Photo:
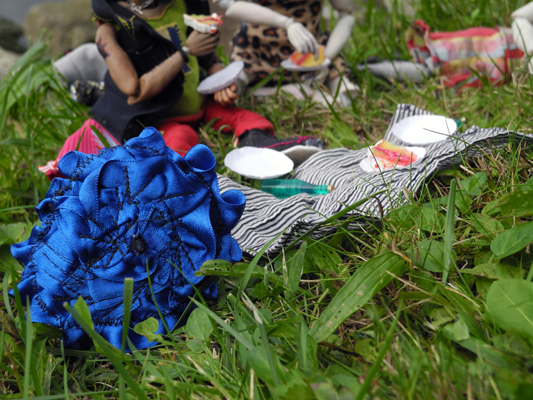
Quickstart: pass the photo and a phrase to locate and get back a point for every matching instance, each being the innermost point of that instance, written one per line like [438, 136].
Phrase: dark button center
[138, 244]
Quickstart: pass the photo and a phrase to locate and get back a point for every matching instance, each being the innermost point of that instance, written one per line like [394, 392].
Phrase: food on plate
[307, 60]
[203, 23]
[385, 155]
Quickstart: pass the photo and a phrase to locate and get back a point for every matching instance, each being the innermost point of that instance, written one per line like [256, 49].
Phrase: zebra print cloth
[266, 216]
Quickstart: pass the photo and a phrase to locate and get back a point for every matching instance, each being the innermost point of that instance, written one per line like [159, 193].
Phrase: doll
[154, 63]
[523, 31]
[272, 30]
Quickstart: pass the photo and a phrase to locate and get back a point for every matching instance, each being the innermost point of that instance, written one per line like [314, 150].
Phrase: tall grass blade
[109, 353]
[449, 229]
[379, 358]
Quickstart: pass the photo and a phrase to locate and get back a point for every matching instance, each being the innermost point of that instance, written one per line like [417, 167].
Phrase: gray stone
[67, 24]
[7, 59]
[10, 34]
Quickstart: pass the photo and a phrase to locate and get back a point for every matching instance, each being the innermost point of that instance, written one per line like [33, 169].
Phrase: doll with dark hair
[154, 65]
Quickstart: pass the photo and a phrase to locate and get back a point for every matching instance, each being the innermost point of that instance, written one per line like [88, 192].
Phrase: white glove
[302, 40]
[224, 3]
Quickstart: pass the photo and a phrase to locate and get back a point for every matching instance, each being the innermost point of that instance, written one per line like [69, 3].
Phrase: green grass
[433, 302]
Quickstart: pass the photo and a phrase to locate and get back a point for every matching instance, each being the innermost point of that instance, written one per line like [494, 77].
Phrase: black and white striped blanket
[266, 216]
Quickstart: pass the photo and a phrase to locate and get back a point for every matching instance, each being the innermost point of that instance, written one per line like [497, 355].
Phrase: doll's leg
[179, 137]
[523, 37]
[83, 140]
[84, 63]
[337, 80]
[239, 119]
[254, 130]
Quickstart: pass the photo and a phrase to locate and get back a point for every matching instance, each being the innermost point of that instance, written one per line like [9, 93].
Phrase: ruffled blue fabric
[117, 212]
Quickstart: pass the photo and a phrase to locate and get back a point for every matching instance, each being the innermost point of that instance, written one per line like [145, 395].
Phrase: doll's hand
[148, 87]
[302, 40]
[200, 44]
[227, 96]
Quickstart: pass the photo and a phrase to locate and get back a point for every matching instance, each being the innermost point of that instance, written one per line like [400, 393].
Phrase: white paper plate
[290, 66]
[222, 79]
[368, 163]
[424, 129]
[258, 163]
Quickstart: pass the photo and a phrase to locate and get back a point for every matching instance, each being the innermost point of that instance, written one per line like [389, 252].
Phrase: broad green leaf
[7, 261]
[238, 270]
[486, 226]
[510, 303]
[519, 203]
[403, 217]
[369, 279]
[295, 267]
[324, 256]
[483, 285]
[430, 220]
[82, 309]
[147, 328]
[196, 345]
[296, 387]
[325, 391]
[431, 255]
[482, 349]
[258, 360]
[473, 185]
[198, 325]
[367, 349]
[512, 240]
[460, 330]
[494, 270]
[14, 233]
[510, 341]
[440, 316]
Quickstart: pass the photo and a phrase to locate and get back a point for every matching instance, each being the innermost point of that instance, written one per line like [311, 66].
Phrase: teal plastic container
[283, 188]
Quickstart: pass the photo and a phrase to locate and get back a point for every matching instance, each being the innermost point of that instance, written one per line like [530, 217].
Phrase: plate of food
[384, 156]
[306, 62]
[424, 129]
[258, 163]
[203, 23]
[222, 79]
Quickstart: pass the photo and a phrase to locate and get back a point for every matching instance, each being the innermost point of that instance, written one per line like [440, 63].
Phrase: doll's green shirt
[190, 102]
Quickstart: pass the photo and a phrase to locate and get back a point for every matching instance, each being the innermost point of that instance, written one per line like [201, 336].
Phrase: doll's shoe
[298, 149]
[86, 92]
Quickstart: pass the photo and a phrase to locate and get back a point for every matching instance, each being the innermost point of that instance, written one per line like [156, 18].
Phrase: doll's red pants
[178, 133]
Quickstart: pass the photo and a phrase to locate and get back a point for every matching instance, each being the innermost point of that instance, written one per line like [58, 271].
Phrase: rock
[7, 59]
[10, 34]
[67, 24]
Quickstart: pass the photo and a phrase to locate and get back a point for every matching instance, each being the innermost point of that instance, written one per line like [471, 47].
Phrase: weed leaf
[431, 255]
[510, 303]
[198, 325]
[371, 277]
[512, 240]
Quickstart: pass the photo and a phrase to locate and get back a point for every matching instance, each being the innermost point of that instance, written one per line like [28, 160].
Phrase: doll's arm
[339, 37]
[524, 12]
[118, 63]
[299, 36]
[522, 28]
[346, 6]
[154, 81]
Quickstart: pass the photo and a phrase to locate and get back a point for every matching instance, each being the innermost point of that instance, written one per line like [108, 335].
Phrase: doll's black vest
[146, 49]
